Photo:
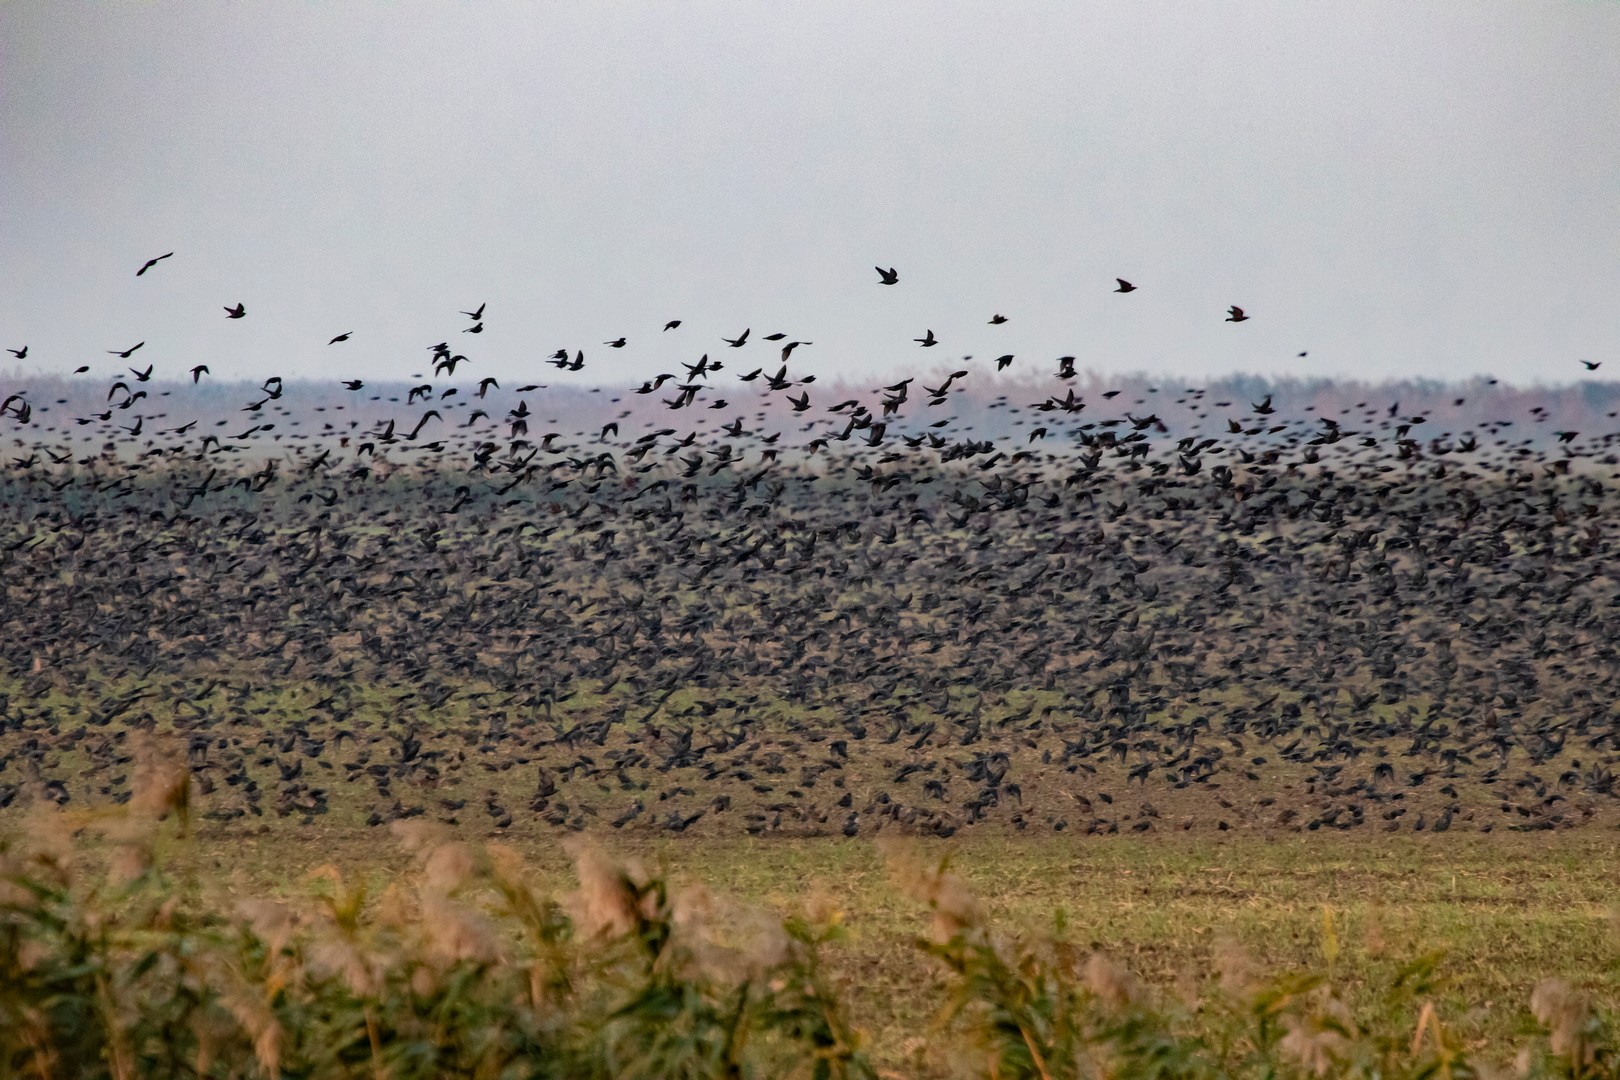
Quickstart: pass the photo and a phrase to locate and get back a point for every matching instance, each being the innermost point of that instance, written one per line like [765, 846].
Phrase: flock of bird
[794, 619]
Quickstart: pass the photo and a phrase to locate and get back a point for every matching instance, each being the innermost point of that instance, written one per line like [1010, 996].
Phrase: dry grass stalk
[607, 904]
[1566, 1014]
[955, 910]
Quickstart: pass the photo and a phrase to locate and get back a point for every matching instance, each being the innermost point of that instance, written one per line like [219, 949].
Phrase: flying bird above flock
[152, 262]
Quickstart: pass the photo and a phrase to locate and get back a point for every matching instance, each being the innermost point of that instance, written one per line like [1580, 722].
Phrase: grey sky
[1400, 188]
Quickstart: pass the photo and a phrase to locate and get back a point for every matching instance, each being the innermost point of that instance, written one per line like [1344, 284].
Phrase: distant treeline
[985, 406]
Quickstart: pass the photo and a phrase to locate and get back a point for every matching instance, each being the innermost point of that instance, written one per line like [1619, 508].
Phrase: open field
[1422, 952]
[1331, 699]
[1506, 910]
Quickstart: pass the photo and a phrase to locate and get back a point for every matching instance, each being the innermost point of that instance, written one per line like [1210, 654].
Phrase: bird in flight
[1590, 365]
[198, 372]
[925, 342]
[235, 312]
[889, 276]
[340, 337]
[672, 324]
[21, 354]
[1235, 314]
[475, 316]
[1124, 286]
[352, 384]
[737, 342]
[125, 354]
[616, 343]
[997, 320]
[151, 263]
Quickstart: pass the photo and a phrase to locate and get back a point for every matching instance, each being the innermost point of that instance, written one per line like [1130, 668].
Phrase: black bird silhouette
[198, 372]
[1590, 365]
[736, 342]
[672, 324]
[126, 353]
[478, 315]
[997, 320]
[235, 312]
[340, 337]
[889, 277]
[1124, 286]
[142, 376]
[21, 354]
[928, 340]
[431, 414]
[151, 263]
[616, 343]
[352, 384]
[475, 328]
[1235, 314]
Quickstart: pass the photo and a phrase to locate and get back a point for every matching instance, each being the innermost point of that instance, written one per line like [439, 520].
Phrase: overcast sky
[1397, 188]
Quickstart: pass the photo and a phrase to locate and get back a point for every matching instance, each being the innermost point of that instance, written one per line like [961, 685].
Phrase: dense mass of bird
[732, 607]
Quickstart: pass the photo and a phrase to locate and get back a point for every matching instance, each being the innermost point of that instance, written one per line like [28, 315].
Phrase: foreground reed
[111, 967]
